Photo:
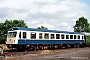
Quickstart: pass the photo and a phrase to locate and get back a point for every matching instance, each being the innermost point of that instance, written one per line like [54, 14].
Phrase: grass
[5, 48]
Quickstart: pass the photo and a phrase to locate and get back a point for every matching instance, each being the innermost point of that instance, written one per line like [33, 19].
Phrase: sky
[53, 14]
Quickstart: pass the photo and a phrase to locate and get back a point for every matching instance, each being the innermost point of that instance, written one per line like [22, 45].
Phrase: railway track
[64, 53]
[17, 53]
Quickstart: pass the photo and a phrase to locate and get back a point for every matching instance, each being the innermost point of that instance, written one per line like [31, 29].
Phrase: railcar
[22, 38]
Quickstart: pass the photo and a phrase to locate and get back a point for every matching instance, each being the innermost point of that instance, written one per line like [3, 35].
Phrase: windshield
[12, 34]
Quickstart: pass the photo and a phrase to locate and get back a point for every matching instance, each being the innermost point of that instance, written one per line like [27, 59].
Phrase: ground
[61, 54]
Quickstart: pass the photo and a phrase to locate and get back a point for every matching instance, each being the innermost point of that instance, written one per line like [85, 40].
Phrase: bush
[5, 48]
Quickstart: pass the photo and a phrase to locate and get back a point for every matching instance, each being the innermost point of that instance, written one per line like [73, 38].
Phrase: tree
[88, 29]
[4, 27]
[82, 25]
[2, 31]
[14, 23]
[43, 28]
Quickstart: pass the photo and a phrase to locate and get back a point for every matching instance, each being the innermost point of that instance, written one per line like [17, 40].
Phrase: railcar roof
[35, 29]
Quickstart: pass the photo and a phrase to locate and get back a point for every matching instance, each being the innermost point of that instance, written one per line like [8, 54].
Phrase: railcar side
[24, 38]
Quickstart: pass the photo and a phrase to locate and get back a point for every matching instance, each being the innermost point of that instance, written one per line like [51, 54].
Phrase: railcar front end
[11, 41]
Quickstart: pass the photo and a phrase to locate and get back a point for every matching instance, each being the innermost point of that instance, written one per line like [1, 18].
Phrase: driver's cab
[12, 37]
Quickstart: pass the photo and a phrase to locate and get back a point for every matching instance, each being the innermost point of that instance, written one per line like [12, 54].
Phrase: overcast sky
[53, 14]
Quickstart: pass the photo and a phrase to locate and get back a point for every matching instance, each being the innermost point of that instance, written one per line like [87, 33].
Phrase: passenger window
[24, 34]
[82, 37]
[71, 36]
[57, 36]
[74, 36]
[46, 36]
[62, 36]
[33, 35]
[67, 36]
[78, 37]
[20, 35]
[51, 36]
[40, 35]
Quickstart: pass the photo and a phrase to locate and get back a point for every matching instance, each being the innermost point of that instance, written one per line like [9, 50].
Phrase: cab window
[12, 34]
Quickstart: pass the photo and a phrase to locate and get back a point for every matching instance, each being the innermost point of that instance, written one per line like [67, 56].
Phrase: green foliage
[43, 28]
[82, 25]
[88, 39]
[14, 23]
[8, 24]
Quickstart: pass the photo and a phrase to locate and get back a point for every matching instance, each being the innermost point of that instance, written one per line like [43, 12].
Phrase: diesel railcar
[22, 38]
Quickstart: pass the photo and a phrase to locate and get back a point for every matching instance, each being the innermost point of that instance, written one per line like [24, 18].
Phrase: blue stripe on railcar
[24, 42]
